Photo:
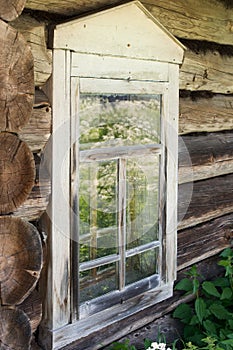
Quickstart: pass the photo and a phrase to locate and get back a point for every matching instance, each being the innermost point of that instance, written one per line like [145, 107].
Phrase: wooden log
[38, 200]
[214, 236]
[207, 71]
[16, 79]
[200, 71]
[32, 307]
[202, 20]
[210, 199]
[205, 156]
[206, 114]
[17, 172]
[38, 130]
[167, 326]
[11, 9]
[15, 330]
[96, 340]
[20, 258]
[69, 8]
[35, 34]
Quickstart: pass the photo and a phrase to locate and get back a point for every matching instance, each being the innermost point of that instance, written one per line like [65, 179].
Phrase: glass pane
[119, 120]
[142, 212]
[97, 210]
[98, 281]
[141, 265]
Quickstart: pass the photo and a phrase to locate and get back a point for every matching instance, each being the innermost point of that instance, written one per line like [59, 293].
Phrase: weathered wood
[17, 172]
[210, 199]
[207, 71]
[38, 199]
[200, 71]
[167, 326]
[11, 9]
[32, 307]
[206, 114]
[38, 129]
[203, 20]
[96, 340]
[71, 8]
[205, 156]
[15, 330]
[16, 79]
[214, 236]
[21, 259]
[35, 34]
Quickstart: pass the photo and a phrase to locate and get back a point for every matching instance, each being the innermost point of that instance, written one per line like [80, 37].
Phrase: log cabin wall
[205, 127]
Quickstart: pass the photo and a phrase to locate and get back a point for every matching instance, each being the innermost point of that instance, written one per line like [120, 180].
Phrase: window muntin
[119, 195]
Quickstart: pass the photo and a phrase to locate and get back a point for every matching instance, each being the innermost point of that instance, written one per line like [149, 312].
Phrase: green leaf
[209, 327]
[196, 285]
[226, 294]
[210, 288]
[147, 343]
[200, 308]
[184, 284]
[230, 322]
[194, 320]
[227, 253]
[221, 282]
[183, 312]
[219, 311]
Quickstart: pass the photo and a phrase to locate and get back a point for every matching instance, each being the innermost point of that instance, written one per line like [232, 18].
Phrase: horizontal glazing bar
[99, 154]
[143, 248]
[98, 262]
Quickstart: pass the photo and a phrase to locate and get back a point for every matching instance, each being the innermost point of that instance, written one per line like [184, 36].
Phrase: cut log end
[20, 259]
[17, 172]
[15, 330]
[11, 9]
[16, 79]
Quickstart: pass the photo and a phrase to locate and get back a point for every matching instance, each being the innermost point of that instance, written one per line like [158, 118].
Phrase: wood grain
[214, 236]
[21, 259]
[206, 114]
[17, 172]
[35, 34]
[203, 20]
[210, 199]
[15, 330]
[32, 307]
[207, 71]
[204, 156]
[16, 79]
[11, 9]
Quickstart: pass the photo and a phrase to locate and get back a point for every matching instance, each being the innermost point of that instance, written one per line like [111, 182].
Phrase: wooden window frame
[60, 315]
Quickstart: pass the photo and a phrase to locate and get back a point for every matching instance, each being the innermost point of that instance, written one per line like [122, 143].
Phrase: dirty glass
[117, 120]
[142, 212]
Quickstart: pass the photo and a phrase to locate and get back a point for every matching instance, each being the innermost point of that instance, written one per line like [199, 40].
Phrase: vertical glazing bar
[93, 213]
[122, 219]
[74, 201]
[162, 188]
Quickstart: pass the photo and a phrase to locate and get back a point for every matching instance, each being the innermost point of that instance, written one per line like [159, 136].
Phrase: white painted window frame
[60, 326]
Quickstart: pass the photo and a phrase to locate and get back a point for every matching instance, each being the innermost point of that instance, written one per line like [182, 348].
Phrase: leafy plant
[209, 320]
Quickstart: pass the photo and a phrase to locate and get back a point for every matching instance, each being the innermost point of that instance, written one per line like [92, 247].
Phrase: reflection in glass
[117, 120]
[141, 265]
[142, 210]
[97, 213]
[98, 281]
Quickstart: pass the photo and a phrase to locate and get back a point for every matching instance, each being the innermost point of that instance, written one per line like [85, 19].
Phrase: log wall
[206, 125]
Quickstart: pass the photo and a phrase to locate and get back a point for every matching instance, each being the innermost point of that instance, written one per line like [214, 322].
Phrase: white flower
[158, 346]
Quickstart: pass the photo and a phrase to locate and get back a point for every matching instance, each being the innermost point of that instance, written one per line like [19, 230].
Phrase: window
[121, 189]
[112, 240]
